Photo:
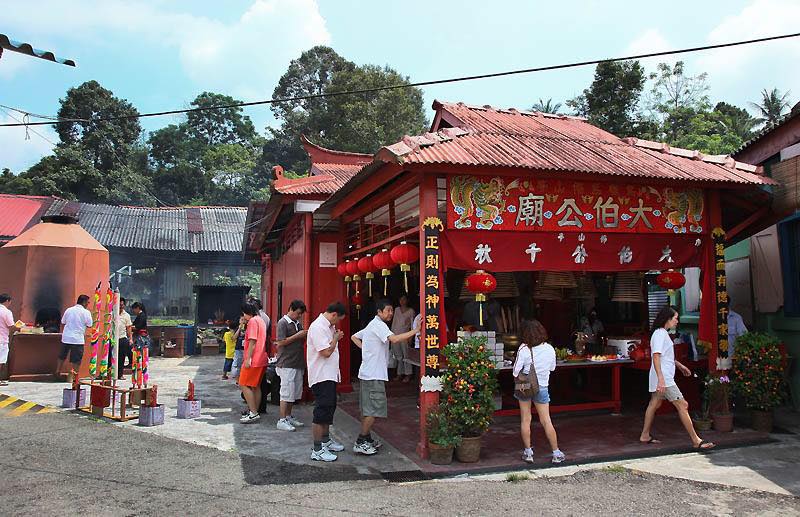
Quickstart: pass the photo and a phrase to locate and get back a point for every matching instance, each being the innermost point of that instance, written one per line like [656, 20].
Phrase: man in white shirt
[322, 358]
[375, 341]
[76, 320]
[7, 328]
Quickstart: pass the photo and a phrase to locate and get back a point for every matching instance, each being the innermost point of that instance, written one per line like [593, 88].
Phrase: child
[238, 352]
[230, 346]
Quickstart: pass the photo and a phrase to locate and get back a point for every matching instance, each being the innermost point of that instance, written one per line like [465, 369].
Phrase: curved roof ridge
[319, 154]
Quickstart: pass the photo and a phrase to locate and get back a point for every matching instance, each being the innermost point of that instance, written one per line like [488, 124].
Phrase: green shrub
[441, 431]
[758, 371]
[469, 384]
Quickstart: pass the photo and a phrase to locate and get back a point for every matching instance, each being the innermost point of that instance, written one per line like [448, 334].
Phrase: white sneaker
[250, 418]
[558, 457]
[323, 455]
[284, 425]
[295, 422]
[333, 446]
[527, 456]
[364, 448]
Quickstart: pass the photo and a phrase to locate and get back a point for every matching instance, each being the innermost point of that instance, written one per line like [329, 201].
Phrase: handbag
[527, 385]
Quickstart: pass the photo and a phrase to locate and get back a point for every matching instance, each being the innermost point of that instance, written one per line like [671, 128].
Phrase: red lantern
[384, 262]
[366, 266]
[671, 280]
[354, 272]
[357, 300]
[405, 254]
[342, 269]
[480, 282]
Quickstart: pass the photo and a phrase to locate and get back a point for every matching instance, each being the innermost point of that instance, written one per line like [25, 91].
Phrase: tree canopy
[612, 100]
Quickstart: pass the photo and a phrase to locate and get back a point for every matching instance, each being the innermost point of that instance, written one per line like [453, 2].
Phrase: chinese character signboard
[721, 287]
[502, 203]
[431, 301]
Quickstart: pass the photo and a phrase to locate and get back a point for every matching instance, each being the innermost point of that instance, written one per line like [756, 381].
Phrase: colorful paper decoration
[145, 364]
[405, 254]
[109, 317]
[95, 333]
[384, 262]
[366, 266]
[481, 283]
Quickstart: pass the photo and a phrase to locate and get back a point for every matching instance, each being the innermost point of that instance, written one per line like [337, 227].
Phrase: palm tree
[547, 107]
[772, 106]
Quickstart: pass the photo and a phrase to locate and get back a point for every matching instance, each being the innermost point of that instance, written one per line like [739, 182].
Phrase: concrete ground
[269, 456]
[218, 425]
[68, 464]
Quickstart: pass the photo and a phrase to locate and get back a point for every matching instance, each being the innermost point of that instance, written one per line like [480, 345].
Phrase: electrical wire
[5, 110]
[422, 83]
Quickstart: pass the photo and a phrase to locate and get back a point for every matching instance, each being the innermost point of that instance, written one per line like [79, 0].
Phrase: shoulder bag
[526, 385]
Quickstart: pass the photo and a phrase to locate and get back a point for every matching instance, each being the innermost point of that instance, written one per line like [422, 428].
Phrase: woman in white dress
[402, 321]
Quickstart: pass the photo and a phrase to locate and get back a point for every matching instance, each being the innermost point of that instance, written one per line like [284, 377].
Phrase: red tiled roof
[330, 170]
[19, 213]
[511, 138]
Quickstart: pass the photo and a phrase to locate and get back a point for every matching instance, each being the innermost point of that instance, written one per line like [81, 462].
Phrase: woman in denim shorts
[536, 350]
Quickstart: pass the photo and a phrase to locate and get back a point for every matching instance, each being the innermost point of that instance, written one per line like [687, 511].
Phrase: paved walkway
[770, 468]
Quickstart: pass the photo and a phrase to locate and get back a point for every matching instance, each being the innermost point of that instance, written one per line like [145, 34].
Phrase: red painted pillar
[707, 328]
[427, 399]
[308, 226]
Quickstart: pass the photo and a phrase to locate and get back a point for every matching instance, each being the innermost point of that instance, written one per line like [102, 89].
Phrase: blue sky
[160, 54]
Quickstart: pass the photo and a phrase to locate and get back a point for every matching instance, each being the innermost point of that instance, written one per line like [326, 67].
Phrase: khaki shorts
[671, 394]
[291, 384]
[373, 399]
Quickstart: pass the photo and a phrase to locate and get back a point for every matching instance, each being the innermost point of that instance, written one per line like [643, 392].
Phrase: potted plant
[718, 390]
[703, 420]
[442, 437]
[758, 376]
[468, 393]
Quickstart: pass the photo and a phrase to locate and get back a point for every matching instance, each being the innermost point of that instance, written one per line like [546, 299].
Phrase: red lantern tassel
[480, 298]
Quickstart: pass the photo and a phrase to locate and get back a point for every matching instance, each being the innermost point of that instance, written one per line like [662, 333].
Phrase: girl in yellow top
[230, 346]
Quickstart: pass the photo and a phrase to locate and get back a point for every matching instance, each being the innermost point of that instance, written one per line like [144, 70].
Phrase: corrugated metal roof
[160, 229]
[17, 213]
[531, 140]
[28, 49]
[769, 128]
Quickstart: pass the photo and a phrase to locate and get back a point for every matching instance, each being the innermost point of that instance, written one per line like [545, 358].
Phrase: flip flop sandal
[651, 441]
[699, 447]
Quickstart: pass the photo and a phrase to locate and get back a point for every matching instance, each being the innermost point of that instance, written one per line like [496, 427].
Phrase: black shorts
[75, 353]
[324, 402]
[228, 366]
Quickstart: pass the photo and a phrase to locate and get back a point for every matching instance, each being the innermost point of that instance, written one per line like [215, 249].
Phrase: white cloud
[21, 149]
[651, 40]
[242, 57]
[773, 62]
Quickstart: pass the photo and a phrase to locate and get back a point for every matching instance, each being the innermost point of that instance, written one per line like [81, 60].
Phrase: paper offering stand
[107, 398]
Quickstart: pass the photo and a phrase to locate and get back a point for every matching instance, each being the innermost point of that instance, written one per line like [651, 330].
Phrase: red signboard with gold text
[527, 204]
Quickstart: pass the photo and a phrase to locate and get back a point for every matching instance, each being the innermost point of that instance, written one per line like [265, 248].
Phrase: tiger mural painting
[685, 210]
[471, 196]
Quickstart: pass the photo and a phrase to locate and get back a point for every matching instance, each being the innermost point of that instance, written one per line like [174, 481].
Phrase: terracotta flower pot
[470, 450]
[441, 455]
[761, 420]
[702, 424]
[723, 423]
